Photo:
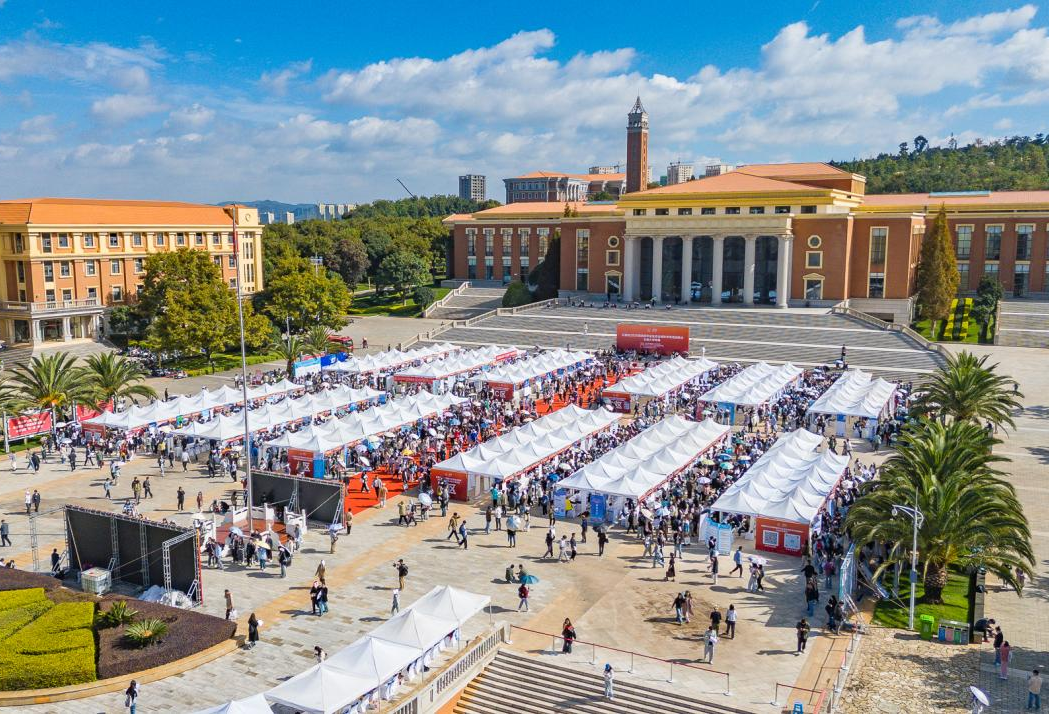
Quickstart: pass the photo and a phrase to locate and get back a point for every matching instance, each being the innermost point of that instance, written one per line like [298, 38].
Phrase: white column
[67, 329]
[657, 268]
[782, 272]
[37, 331]
[718, 259]
[749, 244]
[629, 268]
[686, 269]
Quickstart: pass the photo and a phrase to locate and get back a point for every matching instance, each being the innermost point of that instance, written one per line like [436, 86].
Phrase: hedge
[19, 598]
[43, 644]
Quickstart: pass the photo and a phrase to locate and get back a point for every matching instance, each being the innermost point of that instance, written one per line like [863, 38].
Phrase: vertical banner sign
[559, 502]
[660, 339]
[598, 507]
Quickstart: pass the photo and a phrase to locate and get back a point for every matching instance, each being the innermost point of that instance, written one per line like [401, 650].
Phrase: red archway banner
[660, 339]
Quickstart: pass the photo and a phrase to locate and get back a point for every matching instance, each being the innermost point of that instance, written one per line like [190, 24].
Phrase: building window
[136, 240]
[963, 241]
[114, 267]
[159, 239]
[216, 239]
[582, 279]
[611, 257]
[65, 269]
[879, 238]
[489, 270]
[757, 210]
[808, 209]
[471, 268]
[67, 295]
[114, 240]
[991, 270]
[684, 211]
[963, 277]
[993, 251]
[45, 242]
[118, 294]
[138, 266]
[489, 242]
[231, 261]
[19, 243]
[1024, 236]
[1021, 279]
[640, 211]
[815, 241]
[813, 288]
[89, 240]
[662, 211]
[89, 267]
[49, 296]
[732, 211]
[180, 239]
[471, 242]
[543, 245]
[504, 244]
[20, 271]
[63, 240]
[876, 285]
[198, 239]
[92, 294]
[524, 238]
[782, 209]
[49, 270]
[707, 211]
[814, 259]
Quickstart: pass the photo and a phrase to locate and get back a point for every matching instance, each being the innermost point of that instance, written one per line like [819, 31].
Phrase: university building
[66, 261]
[764, 234]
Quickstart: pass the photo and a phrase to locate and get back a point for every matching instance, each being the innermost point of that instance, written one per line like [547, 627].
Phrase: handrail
[791, 688]
[890, 326]
[726, 675]
[451, 293]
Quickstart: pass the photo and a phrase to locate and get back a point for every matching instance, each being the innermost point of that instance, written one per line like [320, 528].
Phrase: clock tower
[637, 148]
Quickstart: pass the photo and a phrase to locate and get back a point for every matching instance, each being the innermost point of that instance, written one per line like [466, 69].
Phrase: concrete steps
[515, 684]
[1024, 323]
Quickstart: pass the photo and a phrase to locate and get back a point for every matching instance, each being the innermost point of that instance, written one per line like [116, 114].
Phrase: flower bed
[190, 632]
[45, 644]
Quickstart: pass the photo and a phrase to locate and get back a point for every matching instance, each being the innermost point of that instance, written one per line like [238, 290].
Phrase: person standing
[284, 560]
[395, 606]
[56, 559]
[730, 622]
[602, 540]
[715, 619]
[253, 630]
[802, 629]
[1034, 690]
[28, 501]
[549, 540]
[180, 497]
[322, 598]
[569, 636]
[679, 608]
[36, 501]
[609, 679]
[714, 568]
[710, 639]
[999, 638]
[522, 597]
[5, 531]
[229, 604]
[402, 573]
[315, 590]
[200, 501]
[185, 459]
[1006, 654]
[131, 696]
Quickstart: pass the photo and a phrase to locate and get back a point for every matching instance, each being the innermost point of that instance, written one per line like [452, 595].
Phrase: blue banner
[559, 502]
[598, 506]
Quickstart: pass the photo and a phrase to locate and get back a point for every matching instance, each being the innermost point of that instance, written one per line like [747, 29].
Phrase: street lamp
[919, 518]
[231, 211]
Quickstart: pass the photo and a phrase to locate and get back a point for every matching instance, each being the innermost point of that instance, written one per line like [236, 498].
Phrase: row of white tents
[642, 464]
[162, 412]
[368, 669]
[663, 378]
[456, 364]
[538, 366]
[790, 482]
[358, 426]
[228, 427]
[523, 447]
[391, 359]
[755, 385]
[856, 394]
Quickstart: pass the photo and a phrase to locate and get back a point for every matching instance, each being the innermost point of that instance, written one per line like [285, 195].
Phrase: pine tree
[937, 272]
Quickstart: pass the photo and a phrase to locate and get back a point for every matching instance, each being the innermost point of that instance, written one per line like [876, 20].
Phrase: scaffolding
[34, 537]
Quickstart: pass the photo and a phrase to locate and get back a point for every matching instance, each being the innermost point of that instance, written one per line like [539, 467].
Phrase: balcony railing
[49, 305]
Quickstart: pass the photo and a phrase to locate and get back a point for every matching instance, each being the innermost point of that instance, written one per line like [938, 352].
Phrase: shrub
[146, 632]
[516, 294]
[118, 614]
[18, 598]
[423, 296]
[55, 649]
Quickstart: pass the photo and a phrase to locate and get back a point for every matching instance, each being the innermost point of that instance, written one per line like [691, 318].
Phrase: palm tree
[972, 515]
[50, 382]
[112, 377]
[317, 341]
[289, 350]
[967, 389]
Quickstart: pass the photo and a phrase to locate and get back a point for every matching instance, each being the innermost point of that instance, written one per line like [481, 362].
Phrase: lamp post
[231, 211]
[919, 518]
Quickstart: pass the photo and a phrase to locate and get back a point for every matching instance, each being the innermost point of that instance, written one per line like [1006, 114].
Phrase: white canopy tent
[855, 394]
[755, 385]
[322, 689]
[391, 359]
[538, 366]
[790, 482]
[456, 364]
[252, 705]
[662, 378]
[451, 602]
[415, 629]
[641, 465]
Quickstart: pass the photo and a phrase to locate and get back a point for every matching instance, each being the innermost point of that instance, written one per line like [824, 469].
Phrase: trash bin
[926, 626]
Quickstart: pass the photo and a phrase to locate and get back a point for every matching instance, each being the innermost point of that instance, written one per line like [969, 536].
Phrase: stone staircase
[22, 354]
[472, 302]
[515, 684]
[1024, 323]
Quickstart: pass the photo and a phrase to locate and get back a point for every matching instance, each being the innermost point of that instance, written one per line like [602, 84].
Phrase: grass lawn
[973, 338]
[198, 365]
[892, 613]
[392, 305]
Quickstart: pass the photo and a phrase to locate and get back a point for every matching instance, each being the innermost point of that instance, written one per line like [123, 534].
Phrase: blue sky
[333, 101]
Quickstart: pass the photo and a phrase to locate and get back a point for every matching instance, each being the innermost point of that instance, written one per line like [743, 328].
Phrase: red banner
[501, 390]
[780, 536]
[458, 483]
[85, 412]
[619, 402]
[301, 462]
[660, 339]
[28, 425]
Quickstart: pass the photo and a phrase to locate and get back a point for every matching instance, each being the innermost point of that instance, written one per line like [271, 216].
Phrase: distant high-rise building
[473, 187]
[597, 170]
[266, 218]
[718, 169]
[663, 180]
[679, 172]
[637, 169]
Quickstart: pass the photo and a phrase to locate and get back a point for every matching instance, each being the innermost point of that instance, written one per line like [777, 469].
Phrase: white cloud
[121, 108]
[195, 116]
[35, 130]
[97, 63]
[989, 24]
[277, 82]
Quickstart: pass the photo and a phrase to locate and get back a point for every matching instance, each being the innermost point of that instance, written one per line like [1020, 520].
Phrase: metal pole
[7, 444]
[914, 562]
[244, 376]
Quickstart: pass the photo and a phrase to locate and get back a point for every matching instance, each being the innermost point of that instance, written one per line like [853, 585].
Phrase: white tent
[322, 689]
[415, 629]
[252, 705]
[540, 365]
[457, 363]
[663, 378]
[637, 467]
[855, 394]
[376, 660]
[790, 482]
[447, 601]
[391, 359]
[755, 385]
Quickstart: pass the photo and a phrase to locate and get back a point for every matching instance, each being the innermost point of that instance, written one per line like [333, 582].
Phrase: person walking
[28, 501]
[569, 636]
[522, 597]
[1006, 653]
[322, 598]
[395, 606]
[602, 540]
[812, 597]
[315, 590]
[730, 622]
[1034, 691]
[802, 629]
[609, 680]
[679, 608]
[453, 527]
[671, 573]
[36, 501]
[200, 501]
[253, 630]
[737, 558]
[5, 531]
[131, 696]
[184, 459]
[562, 549]
[147, 489]
[402, 573]
[549, 542]
[714, 568]
[284, 560]
[321, 570]
[463, 535]
[715, 620]
[710, 639]
[229, 605]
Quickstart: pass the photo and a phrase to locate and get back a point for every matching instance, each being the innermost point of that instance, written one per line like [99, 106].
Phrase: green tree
[517, 293]
[316, 340]
[423, 296]
[985, 307]
[110, 377]
[967, 389]
[403, 271]
[378, 243]
[937, 272]
[182, 270]
[305, 295]
[288, 349]
[972, 517]
[50, 382]
[546, 276]
[349, 258]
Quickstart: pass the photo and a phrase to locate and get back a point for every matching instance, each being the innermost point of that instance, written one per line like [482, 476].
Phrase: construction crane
[406, 189]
